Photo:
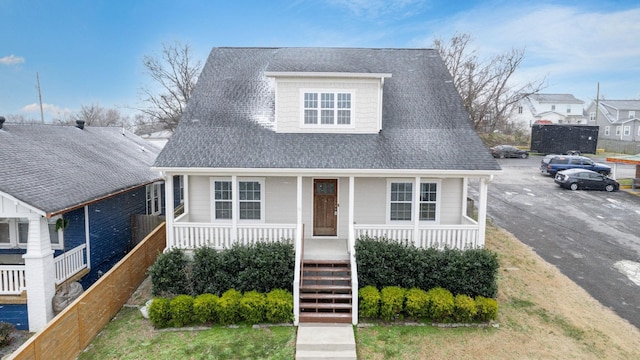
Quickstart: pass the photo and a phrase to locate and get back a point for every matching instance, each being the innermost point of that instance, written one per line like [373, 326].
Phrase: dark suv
[551, 164]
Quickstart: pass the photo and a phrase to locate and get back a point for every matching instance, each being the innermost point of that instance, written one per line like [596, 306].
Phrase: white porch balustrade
[436, 236]
[194, 235]
[12, 279]
[70, 263]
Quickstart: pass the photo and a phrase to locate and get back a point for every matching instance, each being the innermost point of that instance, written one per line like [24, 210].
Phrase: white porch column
[299, 248]
[235, 208]
[482, 211]
[39, 274]
[416, 211]
[169, 209]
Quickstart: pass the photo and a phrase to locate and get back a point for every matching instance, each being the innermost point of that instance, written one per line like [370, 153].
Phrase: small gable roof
[229, 121]
[56, 168]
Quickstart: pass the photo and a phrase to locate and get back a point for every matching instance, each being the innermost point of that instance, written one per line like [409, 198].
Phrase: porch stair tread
[325, 261]
[326, 269]
[324, 296]
[325, 287]
[325, 317]
[328, 277]
[313, 305]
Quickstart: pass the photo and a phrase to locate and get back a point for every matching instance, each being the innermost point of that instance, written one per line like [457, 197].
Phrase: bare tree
[176, 73]
[485, 86]
[95, 115]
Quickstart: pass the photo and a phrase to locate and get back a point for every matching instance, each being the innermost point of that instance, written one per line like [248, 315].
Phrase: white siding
[451, 201]
[280, 200]
[370, 201]
[365, 105]
[199, 199]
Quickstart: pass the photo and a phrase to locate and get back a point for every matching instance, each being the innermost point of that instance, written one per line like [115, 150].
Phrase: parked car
[551, 164]
[508, 151]
[581, 179]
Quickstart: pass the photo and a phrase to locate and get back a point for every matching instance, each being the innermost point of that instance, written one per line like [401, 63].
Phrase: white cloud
[49, 109]
[11, 60]
[574, 46]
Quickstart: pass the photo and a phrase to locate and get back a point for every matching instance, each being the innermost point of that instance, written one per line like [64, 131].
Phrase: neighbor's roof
[621, 104]
[56, 168]
[229, 120]
[556, 98]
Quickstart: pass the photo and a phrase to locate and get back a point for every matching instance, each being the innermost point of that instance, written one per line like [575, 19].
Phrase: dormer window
[327, 108]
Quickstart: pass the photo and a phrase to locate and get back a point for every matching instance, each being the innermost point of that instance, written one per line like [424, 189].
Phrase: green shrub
[160, 312]
[181, 310]
[207, 277]
[204, 308]
[253, 307]
[391, 302]
[465, 308]
[416, 303]
[228, 308]
[369, 302]
[384, 262]
[441, 304]
[487, 309]
[279, 306]
[169, 274]
[6, 329]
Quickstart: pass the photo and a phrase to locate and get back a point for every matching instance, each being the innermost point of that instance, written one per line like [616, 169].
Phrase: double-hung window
[402, 200]
[246, 195]
[154, 200]
[627, 130]
[14, 233]
[327, 108]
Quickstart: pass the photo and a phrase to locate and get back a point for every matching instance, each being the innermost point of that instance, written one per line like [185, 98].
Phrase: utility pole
[40, 98]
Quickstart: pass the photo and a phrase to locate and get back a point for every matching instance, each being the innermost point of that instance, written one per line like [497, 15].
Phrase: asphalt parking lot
[593, 237]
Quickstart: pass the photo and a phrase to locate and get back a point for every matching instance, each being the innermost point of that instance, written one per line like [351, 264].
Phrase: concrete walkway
[325, 341]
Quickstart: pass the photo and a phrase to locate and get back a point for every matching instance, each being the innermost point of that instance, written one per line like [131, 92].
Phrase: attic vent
[1, 121]
[80, 124]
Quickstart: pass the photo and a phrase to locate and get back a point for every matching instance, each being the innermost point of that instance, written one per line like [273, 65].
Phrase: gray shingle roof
[556, 98]
[54, 168]
[229, 120]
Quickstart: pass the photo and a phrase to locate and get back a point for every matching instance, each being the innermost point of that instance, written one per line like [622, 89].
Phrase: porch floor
[325, 249]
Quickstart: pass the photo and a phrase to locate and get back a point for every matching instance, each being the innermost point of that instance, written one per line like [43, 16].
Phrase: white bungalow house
[320, 146]
[67, 195]
[548, 109]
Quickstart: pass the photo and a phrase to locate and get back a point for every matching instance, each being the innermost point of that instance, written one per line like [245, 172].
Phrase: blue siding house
[67, 198]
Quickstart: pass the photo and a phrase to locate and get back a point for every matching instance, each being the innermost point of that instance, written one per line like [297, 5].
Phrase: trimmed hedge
[369, 302]
[232, 307]
[258, 267]
[169, 274]
[383, 262]
[436, 305]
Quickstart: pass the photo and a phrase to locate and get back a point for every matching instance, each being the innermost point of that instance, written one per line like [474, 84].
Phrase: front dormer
[328, 102]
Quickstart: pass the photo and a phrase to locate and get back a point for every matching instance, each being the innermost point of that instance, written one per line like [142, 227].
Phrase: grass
[542, 315]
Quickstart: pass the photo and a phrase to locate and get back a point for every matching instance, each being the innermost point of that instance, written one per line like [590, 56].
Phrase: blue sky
[90, 52]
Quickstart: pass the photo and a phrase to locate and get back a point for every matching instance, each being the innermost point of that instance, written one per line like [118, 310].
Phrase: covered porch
[324, 214]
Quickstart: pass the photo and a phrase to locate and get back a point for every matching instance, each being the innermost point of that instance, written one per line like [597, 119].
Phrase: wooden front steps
[325, 291]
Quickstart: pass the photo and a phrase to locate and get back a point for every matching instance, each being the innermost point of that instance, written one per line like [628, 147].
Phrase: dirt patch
[142, 293]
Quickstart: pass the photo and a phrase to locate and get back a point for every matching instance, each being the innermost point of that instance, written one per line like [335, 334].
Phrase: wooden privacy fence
[71, 331]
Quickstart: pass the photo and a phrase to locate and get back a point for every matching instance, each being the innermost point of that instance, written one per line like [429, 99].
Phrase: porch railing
[437, 236]
[193, 235]
[70, 263]
[12, 279]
